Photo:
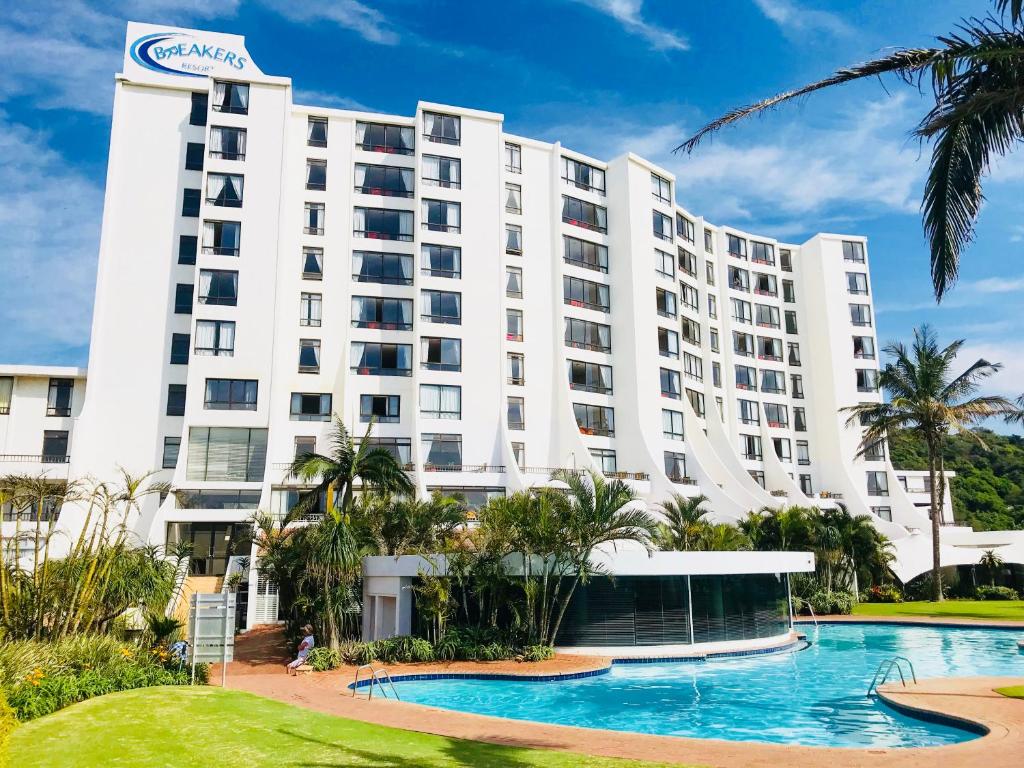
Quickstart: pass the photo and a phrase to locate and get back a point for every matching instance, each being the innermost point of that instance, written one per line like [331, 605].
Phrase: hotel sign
[171, 52]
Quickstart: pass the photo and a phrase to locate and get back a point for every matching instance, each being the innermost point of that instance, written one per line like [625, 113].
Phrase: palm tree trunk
[936, 514]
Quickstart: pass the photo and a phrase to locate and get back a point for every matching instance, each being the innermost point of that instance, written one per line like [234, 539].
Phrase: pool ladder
[886, 667]
[377, 677]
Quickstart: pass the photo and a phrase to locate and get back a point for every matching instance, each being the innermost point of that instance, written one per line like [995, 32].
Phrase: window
[689, 296]
[386, 180]
[777, 415]
[583, 176]
[583, 334]
[215, 337]
[589, 377]
[58, 399]
[713, 340]
[391, 268]
[316, 174]
[805, 485]
[515, 364]
[661, 189]
[310, 308]
[584, 293]
[793, 353]
[200, 107]
[853, 252]
[878, 484]
[218, 287]
[746, 378]
[304, 445]
[315, 214]
[796, 385]
[885, 513]
[675, 466]
[513, 158]
[857, 283]
[519, 454]
[664, 264]
[672, 425]
[516, 413]
[712, 306]
[687, 262]
[514, 325]
[227, 143]
[670, 383]
[791, 321]
[441, 307]
[741, 311]
[737, 247]
[187, 247]
[513, 239]
[384, 409]
[441, 129]
[769, 348]
[183, 298]
[190, 201]
[864, 347]
[748, 412]
[709, 241]
[179, 350]
[172, 447]
[766, 316]
[383, 224]
[743, 344]
[799, 419]
[788, 293]
[765, 285]
[437, 354]
[782, 448]
[441, 216]
[224, 189]
[693, 367]
[762, 253]
[605, 460]
[709, 272]
[582, 253]
[376, 359]
[785, 260]
[310, 406]
[399, 447]
[662, 226]
[377, 312]
[716, 375]
[691, 331]
[231, 97]
[391, 139]
[316, 131]
[739, 279]
[696, 400]
[313, 263]
[867, 380]
[440, 401]
[194, 152]
[175, 399]
[757, 476]
[595, 419]
[228, 454]
[668, 343]
[514, 282]
[803, 453]
[750, 447]
[309, 355]
[513, 198]
[230, 395]
[875, 451]
[441, 450]
[773, 382]
[221, 238]
[684, 227]
[55, 446]
[860, 314]
[217, 499]
[584, 214]
[665, 303]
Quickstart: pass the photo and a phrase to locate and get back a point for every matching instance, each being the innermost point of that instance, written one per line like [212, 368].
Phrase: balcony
[780, 494]
[682, 479]
[493, 468]
[33, 458]
[641, 476]
[381, 191]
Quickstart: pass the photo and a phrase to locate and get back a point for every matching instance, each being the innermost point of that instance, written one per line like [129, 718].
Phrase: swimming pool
[814, 696]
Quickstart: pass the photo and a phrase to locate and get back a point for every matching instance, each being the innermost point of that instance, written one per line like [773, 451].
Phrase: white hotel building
[500, 306]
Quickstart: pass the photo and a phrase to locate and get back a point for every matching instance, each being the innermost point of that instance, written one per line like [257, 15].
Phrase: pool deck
[971, 699]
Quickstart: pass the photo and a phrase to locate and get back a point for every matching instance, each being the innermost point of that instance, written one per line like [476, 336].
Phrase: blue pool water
[814, 696]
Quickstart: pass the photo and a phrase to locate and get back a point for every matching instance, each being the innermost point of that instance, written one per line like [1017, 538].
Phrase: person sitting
[304, 648]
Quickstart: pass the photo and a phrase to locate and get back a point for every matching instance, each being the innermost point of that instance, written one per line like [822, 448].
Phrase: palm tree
[926, 399]
[684, 522]
[346, 464]
[977, 78]
[722, 537]
[992, 563]
[397, 525]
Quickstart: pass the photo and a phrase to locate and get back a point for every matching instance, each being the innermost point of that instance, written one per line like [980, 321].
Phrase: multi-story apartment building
[499, 307]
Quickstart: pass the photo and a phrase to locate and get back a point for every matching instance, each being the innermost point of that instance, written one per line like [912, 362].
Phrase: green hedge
[8, 721]
[457, 645]
[996, 593]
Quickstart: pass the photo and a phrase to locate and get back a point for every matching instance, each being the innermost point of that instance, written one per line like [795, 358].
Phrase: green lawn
[162, 727]
[1013, 691]
[1002, 610]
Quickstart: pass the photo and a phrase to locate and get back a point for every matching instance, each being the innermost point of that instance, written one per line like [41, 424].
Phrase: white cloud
[994, 285]
[312, 98]
[368, 23]
[629, 13]
[793, 18]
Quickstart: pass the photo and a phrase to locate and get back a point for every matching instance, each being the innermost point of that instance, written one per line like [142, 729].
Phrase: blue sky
[602, 76]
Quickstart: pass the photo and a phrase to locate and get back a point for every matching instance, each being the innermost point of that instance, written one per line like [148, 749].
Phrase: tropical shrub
[996, 593]
[834, 602]
[881, 593]
[322, 659]
[537, 653]
[8, 721]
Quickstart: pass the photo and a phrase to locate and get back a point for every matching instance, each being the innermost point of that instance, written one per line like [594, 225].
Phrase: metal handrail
[895, 662]
[377, 676]
[811, 609]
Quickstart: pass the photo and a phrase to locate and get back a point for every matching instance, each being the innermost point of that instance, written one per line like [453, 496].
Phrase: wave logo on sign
[176, 53]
